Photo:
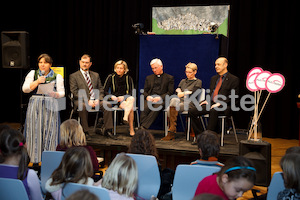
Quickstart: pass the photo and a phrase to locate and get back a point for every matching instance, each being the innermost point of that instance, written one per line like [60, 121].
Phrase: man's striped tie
[89, 83]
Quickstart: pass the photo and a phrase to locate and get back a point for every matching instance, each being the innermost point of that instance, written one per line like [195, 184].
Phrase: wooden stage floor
[171, 153]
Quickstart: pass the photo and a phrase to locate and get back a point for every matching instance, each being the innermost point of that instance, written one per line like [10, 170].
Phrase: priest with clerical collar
[157, 86]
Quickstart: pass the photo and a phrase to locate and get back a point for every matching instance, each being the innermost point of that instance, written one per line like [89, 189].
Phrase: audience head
[295, 149]
[76, 165]
[143, 142]
[221, 65]
[83, 195]
[121, 67]
[236, 177]
[85, 62]
[121, 175]
[13, 147]
[3, 127]
[156, 66]
[290, 164]
[208, 144]
[191, 70]
[207, 197]
[71, 134]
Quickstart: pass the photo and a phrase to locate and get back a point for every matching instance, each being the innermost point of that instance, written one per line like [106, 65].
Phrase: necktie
[90, 86]
[217, 88]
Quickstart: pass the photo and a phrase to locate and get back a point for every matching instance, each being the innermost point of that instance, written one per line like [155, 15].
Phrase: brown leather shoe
[170, 136]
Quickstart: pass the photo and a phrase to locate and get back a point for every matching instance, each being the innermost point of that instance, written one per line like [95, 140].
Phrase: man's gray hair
[157, 61]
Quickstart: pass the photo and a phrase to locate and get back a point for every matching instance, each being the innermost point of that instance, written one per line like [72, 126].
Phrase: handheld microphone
[43, 72]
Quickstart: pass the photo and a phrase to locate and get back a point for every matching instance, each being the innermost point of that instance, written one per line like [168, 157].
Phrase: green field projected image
[190, 20]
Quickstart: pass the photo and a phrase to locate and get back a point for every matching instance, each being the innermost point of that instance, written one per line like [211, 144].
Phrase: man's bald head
[221, 65]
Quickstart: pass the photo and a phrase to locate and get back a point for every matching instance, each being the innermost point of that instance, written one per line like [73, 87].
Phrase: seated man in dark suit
[221, 86]
[87, 84]
[157, 87]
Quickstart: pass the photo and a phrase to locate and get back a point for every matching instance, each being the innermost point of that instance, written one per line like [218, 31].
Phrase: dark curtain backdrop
[261, 33]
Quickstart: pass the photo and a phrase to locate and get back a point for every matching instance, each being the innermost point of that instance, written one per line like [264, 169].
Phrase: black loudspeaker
[15, 49]
[260, 154]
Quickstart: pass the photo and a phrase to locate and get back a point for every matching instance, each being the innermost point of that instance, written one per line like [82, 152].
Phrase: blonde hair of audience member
[83, 195]
[121, 175]
[71, 134]
[121, 62]
[236, 177]
[290, 165]
[76, 165]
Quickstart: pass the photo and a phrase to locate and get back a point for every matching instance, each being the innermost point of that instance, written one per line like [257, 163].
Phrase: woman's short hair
[121, 175]
[47, 58]
[192, 66]
[290, 164]
[157, 61]
[71, 134]
[121, 62]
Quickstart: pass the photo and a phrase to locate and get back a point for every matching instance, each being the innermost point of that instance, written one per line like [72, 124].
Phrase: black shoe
[87, 135]
[99, 131]
[109, 134]
[142, 128]
[194, 142]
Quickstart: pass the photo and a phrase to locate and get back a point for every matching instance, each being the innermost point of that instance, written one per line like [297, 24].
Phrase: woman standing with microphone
[42, 123]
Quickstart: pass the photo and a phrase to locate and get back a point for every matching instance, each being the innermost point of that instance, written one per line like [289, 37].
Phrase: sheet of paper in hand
[45, 88]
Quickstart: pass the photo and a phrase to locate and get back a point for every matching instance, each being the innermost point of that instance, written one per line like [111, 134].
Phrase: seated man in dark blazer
[86, 83]
[157, 87]
[219, 103]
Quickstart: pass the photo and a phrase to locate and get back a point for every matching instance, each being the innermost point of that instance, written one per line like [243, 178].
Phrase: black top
[157, 84]
[118, 86]
[166, 85]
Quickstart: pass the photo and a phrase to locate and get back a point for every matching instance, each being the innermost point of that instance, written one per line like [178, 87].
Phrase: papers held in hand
[45, 89]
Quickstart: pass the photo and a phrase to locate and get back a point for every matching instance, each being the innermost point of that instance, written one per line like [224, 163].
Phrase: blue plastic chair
[12, 189]
[276, 185]
[148, 175]
[70, 188]
[187, 178]
[50, 161]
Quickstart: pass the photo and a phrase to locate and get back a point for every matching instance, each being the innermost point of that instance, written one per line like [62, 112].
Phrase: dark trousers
[148, 116]
[194, 114]
[107, 115]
